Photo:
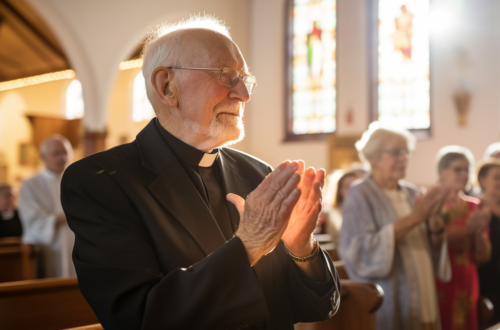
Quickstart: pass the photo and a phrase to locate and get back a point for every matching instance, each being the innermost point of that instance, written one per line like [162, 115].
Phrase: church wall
[478, 37]
[107, 32]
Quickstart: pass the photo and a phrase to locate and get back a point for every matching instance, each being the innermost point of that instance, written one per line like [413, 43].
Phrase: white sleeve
[39, 224]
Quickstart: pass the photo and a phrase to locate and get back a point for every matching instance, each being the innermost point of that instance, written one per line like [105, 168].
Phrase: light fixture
[132, 64]
[35, 80]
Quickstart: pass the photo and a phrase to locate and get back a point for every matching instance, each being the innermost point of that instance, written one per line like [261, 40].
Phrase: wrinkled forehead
[206, 48]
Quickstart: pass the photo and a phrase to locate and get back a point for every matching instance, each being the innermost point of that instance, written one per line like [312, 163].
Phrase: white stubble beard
[224, 129]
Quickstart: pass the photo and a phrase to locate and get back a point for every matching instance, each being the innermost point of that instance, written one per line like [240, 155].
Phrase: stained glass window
[312, 103]
[74, 100]
[141, 108]
[403, 63]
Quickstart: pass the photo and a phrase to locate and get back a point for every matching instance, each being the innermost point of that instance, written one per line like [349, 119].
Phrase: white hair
[56, 137]
[159, 48]
[492, 150]
[373, 139]
[446, 155]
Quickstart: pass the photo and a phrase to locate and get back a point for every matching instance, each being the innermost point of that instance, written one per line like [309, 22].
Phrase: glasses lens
[229, 76]
[250, 82]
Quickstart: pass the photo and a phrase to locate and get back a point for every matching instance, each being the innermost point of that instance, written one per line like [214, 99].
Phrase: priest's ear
[162, 81]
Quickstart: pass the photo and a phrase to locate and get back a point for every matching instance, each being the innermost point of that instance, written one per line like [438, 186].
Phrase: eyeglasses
[397, 152]
[229, 77]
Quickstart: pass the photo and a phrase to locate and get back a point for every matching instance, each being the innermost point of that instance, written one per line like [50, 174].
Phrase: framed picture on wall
[311, 90]
[27, 154]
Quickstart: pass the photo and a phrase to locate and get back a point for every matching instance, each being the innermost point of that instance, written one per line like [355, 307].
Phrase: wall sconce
[462, 95]
[462, 106]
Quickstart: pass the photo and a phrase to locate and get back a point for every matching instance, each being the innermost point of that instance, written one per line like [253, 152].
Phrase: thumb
[238, 202]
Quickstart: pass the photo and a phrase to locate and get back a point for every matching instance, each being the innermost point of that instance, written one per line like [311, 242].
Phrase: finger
[238, 202]
[305, 187]
[286, 190]
[320, 177]
[314, 196]
[301, 168]
[288, 204]
[276, 180]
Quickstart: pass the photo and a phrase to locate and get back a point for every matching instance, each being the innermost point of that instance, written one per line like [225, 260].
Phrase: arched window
[141, 108]
[74, 100]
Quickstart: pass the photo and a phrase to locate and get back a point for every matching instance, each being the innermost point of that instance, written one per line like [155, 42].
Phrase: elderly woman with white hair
[392, 233]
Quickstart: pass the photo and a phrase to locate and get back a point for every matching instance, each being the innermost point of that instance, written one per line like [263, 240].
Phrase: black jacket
[149, 254]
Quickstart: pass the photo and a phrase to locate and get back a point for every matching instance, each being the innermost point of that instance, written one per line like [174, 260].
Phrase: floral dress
[458, 298]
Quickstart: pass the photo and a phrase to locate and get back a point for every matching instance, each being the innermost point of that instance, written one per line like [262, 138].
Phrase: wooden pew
[46, 304]
[18, 261]
[485, 307]
[495, 327]
[89, 327]
[339, 266]
[358, 303]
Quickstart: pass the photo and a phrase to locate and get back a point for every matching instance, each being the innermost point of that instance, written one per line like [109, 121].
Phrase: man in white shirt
[42, 216]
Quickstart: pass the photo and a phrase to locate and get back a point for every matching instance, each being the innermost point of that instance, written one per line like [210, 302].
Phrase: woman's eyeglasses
[229, 77]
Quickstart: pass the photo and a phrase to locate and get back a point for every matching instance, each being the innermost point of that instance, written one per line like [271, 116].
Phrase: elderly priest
[164, 239]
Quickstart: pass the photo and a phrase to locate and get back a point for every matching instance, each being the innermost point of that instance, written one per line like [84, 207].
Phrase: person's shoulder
[32, 180]
[111, 160]
[242, 159]
[409, 186]
[360, 183]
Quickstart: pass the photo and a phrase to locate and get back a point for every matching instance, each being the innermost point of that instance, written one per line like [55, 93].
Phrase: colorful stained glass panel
[403, 63]
[314, 66]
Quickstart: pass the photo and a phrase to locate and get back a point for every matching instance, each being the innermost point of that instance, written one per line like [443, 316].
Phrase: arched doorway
[34, 76]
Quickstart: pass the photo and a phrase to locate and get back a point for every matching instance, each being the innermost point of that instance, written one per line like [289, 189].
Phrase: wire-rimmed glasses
[229, 76]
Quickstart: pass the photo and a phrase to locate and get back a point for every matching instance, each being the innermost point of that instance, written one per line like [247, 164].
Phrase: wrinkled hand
[304, 217]
[266, 211]
[429, 202]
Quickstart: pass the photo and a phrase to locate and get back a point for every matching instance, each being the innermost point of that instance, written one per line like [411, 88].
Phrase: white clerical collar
[50, 175]
[208, 160]
[8, 215]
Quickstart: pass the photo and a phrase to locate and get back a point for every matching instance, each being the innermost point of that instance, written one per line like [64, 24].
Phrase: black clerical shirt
[207, 179]
[190, 158]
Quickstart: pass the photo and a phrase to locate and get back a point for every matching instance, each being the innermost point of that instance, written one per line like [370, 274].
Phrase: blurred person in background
[42, 216]
[493, 151]
[488, 178]
[10, 225]
[468, 244]
[393, 235]
[337, 184]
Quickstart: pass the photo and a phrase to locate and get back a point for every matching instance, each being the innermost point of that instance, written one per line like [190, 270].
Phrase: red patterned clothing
[458, 298]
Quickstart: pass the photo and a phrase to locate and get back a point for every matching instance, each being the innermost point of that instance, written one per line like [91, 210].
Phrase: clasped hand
[286, 206]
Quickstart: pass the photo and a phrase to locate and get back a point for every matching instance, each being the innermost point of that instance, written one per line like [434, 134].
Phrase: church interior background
[74, 67]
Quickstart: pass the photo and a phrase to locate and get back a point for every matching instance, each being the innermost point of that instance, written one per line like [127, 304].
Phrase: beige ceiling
[27, 46]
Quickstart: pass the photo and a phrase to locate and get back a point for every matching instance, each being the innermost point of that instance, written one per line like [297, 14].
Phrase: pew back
[44, 304]
[358, 304]
[17, 260]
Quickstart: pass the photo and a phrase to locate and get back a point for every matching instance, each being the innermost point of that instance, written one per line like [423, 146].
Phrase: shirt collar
[187, 154]
[50, 175]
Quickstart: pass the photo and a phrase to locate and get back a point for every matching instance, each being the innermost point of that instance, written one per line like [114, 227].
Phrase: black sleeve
[311, 301]
[119, 274]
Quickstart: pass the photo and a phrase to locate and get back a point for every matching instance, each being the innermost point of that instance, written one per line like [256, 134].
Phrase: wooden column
[94, 142]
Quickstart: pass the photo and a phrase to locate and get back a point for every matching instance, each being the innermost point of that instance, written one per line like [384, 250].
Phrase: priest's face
[207, 106]
[55, 156]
